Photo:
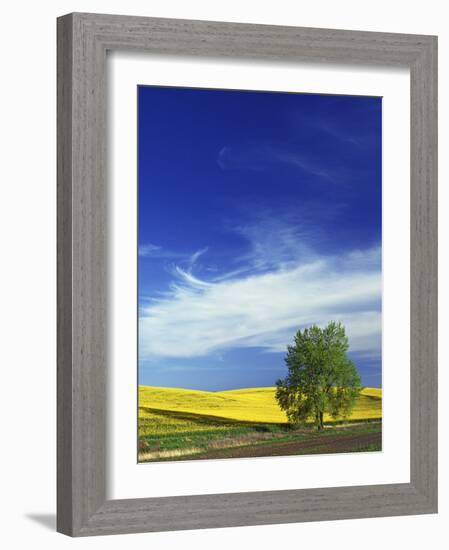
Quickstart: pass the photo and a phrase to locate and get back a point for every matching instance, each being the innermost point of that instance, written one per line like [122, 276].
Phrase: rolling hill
[164, 410]
[181, 424]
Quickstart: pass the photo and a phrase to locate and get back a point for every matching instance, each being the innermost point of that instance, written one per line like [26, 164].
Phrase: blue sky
[259, 214]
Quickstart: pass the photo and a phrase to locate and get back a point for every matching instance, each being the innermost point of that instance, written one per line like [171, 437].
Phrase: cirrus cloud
[264, 309]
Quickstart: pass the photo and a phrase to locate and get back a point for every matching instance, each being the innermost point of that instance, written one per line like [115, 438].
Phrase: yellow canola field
[163, 410]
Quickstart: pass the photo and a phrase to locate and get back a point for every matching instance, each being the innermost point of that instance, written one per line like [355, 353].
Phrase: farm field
[181, 424]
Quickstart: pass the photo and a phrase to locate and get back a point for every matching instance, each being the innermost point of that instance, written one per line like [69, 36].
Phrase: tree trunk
[321, 420]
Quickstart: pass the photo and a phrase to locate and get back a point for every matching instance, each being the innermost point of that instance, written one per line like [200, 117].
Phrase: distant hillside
[245, 405]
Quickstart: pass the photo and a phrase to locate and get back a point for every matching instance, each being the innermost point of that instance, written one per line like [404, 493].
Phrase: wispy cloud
[303, 163]
[259, 157]
[248, 157]
[187, 277]
[275, 241]
[279, 238]
[150, 250]
[280, 285]
[197, 255]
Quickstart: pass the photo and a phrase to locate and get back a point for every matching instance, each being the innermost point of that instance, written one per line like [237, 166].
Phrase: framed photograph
[247, 274]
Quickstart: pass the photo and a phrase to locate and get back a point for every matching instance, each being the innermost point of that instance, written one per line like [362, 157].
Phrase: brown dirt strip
[315, 445]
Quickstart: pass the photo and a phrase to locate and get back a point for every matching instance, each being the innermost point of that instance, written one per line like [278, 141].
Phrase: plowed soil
[320, 444]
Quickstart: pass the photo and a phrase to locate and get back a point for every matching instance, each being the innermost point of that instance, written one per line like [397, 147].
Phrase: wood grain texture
[423, 275]
[64, 277]
[83, 40]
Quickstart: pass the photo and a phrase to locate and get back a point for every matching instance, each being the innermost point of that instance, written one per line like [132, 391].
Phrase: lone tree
[321, 378]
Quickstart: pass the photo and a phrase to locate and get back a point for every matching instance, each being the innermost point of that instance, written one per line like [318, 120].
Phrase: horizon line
[228, 389]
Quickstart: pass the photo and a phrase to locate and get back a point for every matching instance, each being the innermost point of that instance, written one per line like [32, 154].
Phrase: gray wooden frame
[83, 40]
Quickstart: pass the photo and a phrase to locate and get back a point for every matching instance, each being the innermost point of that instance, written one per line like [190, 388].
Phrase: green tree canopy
[321, 377]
